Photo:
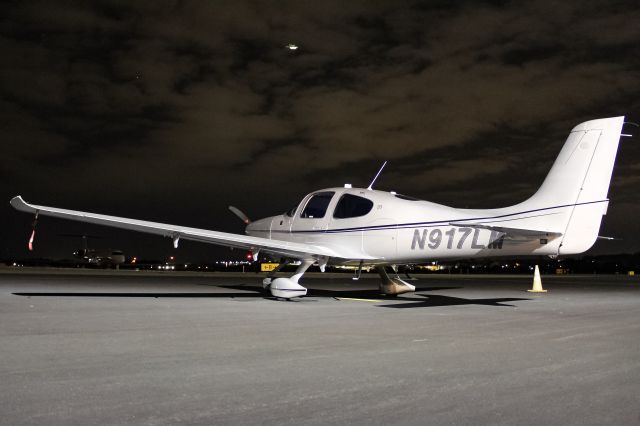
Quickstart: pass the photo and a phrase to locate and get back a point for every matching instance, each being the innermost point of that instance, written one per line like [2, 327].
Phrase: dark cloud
[170, 110]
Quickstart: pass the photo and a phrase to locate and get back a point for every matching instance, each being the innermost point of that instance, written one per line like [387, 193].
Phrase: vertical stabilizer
[579, 179]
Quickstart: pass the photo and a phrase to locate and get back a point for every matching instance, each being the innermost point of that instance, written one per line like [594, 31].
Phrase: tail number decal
[435, 237]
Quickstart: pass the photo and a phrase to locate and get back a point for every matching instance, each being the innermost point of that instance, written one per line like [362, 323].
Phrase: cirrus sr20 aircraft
[365, 227]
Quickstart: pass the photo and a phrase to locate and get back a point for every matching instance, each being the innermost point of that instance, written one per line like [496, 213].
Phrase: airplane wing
[512, 233]
[279, 247]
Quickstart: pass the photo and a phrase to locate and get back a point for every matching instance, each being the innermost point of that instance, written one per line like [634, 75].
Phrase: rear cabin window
[317, 205]
[352, 206]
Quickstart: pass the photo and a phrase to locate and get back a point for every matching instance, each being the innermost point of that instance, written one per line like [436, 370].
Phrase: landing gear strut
[358, 272]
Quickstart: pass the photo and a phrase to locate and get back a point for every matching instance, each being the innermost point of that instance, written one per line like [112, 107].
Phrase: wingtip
[18, 203]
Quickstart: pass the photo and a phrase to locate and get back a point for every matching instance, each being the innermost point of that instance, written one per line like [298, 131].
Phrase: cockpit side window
[352, 206]
[317, 205]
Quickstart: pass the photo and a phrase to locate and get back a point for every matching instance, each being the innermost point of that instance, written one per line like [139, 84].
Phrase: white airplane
[366, 227]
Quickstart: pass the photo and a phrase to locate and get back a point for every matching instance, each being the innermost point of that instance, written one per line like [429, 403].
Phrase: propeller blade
[240, 214]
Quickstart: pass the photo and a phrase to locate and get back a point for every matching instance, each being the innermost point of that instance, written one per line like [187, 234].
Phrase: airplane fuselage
[399, 229]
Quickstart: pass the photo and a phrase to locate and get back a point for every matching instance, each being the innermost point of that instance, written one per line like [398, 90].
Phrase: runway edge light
[537, 282]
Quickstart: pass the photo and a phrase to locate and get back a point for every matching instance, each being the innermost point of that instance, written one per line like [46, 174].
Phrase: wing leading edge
[279, 247]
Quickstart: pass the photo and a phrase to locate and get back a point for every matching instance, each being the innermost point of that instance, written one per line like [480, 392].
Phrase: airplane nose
[259, 228]
[251, 227]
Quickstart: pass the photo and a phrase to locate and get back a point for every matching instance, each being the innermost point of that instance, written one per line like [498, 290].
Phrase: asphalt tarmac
[115, 348]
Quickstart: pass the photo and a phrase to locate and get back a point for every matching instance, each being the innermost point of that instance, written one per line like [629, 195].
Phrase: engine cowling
[286, 288]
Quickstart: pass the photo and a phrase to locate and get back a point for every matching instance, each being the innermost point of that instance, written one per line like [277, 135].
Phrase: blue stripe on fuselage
[423, 224]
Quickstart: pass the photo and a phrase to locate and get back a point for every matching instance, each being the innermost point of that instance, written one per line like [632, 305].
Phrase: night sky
[172, 110]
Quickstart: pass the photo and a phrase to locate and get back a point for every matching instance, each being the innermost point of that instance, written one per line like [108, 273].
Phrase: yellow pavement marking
[359, 300]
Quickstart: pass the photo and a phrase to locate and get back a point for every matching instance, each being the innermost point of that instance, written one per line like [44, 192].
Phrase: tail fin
[579, 180]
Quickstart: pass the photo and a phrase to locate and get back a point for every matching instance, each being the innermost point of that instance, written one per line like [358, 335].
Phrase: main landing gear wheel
[392, 287]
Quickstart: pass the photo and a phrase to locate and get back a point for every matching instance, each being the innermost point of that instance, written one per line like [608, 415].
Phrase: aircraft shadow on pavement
[371, 294]
[438, 300]
[431, 300]
[131, 294]
[247, 291]
[253, 291]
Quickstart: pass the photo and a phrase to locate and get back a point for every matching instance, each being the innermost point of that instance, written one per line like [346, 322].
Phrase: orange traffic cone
[537, 282]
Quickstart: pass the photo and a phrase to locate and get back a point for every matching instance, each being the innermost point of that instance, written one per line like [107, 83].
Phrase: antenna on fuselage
[370, 187]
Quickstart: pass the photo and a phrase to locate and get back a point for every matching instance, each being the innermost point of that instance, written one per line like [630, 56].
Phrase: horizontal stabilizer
[512, 233]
